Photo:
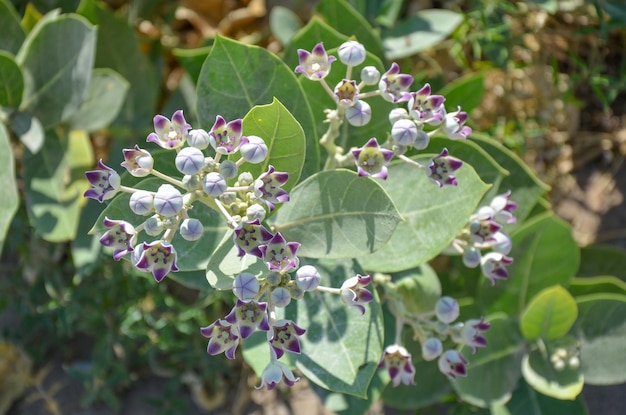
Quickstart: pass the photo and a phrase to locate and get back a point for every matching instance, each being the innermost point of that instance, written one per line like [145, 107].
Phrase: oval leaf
[236, 77]
[12, 81]
[355, 341]
[601, 330]
[493, 372]
[57, 78]
[433, 216]
[467, 91]
[8, 188]
[527, 401]
[337, 214]
[544, 254]
[549, 315]
[284, 24]
[602, 260]
[12, 32]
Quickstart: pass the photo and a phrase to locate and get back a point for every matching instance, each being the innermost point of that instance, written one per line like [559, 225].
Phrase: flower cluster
[423, 116]
[484, 232]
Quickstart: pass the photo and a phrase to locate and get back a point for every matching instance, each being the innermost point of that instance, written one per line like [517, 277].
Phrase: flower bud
[422, 140]
[198, 138]
[397, 114]
[280, 297]
[191, 182]
[141, 202]
[274, 278]
[359, 114]
[351, 53]
[471, 257]
[245, 179]
[404, 132]
[432, 348]
[153, 226]
[209, 164]
[191, 229]
[245, 286]
[228, 198]
[370, 75]
[214, 184]
[228, 169]
[447, 309]
[255, 150]
[503, 243]
[295, 291]
[255, 211]
[189, 160]
[168, 201]
[308, 278]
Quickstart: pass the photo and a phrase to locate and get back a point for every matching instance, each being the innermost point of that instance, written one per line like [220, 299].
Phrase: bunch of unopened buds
[243, 205]
[423, 116]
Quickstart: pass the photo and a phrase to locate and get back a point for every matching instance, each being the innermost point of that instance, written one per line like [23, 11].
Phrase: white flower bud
[281, 297]
[228, 169]
[359, 114]
[191, 229]
[308, 278]
[351, 53]
[153, 226]
[189, 160]
[255, 150]
[168, 201]
[447, 309]
[255, 211]
[404, 132]
[141, 202]
[245, 286]
[370, 75]
[397, 114]
[214, 184]
[198, 139]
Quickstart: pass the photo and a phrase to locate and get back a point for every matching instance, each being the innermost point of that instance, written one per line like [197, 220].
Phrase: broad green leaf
[306, 38]
[119, 49]
[354, 341]
[540, 373]
[343, 404]
[433, 216]
[11, 80]
[56, 78]
[430, 384]
[224, 264]
[597, 285]
[284, 24]
[12, 32]
[105, 97]
[340, 15]
[549, 315]
[86, 248]
[337, 214]
[29, 130]
[601, 330]
[236, 77]
[419, 289]
[526, 188]
[191, 255]
[9, 198]
[420, 31]
[195, 280]
[544, 254]
[192, 60]
[467, 91]
[54, 184]
[527, 401]
[32, 16]
[283, 136]
[350, 136]
[602, 260]
[493, 372]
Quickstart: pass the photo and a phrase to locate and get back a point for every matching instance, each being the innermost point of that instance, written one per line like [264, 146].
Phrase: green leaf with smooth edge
[337, 214]
[493, 372]
[549, 315]
[424, 29]
[236, 77]
[9, 199]
[471, 153]
[539, 371]
[29, 130]
[527, 401]
[12, 32]
[355, 341]
[419, 289]
[526, 188]
[467, 91]
[430, 384]
[351, 136]
[283, 136]
[105, 97]
[306, 38]
[340, 15]
[192, 60]
[602, 260]
[597, 285]
[11, 81]
[601, 330]
[284, 24]
[343, 404]
[195, 280]
[56, 78]
[544, 254]
[224, 264]
[118, 48]
[190, 255]
[433, 216]
[54, 184]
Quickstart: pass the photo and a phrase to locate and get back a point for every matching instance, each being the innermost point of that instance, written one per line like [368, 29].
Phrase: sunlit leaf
[8, 188]
[549, 315]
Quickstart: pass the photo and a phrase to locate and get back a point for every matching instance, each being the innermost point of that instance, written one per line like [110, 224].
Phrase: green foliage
[12, 32]
[549, 315]
[12, 80]
[8, 187]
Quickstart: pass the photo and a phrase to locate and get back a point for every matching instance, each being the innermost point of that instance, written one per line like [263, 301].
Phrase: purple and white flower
[119, 237]
[105, 183]
[454, 125]
[223, 337]
[372, 160]
[397, 360]
[284, 336]
[268, 187]
[169, 134]
[452, 364]
[441, 167]
[248, 316]
[280, 255]
[274, 373]
[249, 236]
[393, 85]
[426, 108]
[137, 162]
[471, 333]
[315, 65]
[158, 257]
[346, 93]
[225, 138]
[494, 266]
[354, 293]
